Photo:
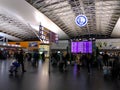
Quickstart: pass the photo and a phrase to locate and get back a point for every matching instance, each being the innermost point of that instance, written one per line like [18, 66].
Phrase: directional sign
[81, 20]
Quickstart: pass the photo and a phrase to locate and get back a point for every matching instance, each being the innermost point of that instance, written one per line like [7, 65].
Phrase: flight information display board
[81, 47]
[74, 47]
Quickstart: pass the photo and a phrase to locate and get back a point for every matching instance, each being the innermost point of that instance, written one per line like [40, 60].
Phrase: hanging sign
[81, 20]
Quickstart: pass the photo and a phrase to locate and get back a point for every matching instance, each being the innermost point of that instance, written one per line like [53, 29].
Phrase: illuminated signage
[81, 47]
[81, 20]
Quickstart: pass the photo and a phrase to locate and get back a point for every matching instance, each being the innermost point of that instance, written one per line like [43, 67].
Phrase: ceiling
[19, 21]
[22, 23]
[102, 15]
[12, 28]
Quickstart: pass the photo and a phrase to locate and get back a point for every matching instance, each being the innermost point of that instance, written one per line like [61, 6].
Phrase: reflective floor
[40, 79]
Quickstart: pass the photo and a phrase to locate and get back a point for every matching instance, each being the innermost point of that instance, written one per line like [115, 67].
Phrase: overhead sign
[81, 20]
[53, 37]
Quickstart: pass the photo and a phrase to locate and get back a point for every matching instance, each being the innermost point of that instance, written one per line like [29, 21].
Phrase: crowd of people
[89, 60]
[20, 57]
[62, 59]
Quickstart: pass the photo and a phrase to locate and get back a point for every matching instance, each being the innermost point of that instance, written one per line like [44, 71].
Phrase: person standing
[88, 59]
[99, 60]
[78, 61]
[105, 59]
[65, 59]
[115, 68]
[43, 56]
[36, 58]
[20, 58]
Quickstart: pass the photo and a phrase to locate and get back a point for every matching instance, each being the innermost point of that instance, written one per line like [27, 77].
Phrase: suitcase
[13, 67]
[106, 71]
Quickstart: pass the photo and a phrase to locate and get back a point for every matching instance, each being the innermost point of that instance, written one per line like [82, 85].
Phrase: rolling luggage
[106, 71]
[13, 67]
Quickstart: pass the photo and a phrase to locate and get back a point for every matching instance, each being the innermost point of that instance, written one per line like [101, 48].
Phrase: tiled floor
[40, 79]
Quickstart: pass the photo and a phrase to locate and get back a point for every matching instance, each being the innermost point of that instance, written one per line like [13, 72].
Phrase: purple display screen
[83, 47]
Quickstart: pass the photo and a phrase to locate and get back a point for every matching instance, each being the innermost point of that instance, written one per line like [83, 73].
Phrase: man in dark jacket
[36, 58]
[105, 59]
[20, 58]
[43, 56]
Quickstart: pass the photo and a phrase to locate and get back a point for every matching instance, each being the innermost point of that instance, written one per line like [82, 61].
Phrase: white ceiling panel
[9, 37]
[102, 15]
[116, 30]
[19, 18]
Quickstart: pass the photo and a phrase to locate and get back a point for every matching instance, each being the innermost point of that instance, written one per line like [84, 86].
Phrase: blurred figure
[61, 62]
[78, 57]
[88, 59]
[119, 65]
[65, 59]
[116, 68]
[105, 59]
[13, 67]
[55, 58]
[15, 55]
[99, 60]
[36, 58]
[20, 58]
[43, 56]
[29, 56]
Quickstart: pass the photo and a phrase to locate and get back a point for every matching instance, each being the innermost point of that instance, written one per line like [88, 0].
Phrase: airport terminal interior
[59, 44]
